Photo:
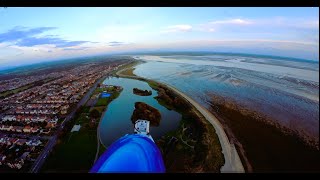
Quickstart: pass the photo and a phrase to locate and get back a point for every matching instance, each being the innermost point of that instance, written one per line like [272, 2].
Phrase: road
[233, 162]
[44, 154]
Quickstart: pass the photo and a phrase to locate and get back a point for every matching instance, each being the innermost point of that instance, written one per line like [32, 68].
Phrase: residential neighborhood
[37, 112]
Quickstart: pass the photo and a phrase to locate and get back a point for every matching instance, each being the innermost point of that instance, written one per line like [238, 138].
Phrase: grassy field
[14, 91]
[25, 87]
[76, 152]
[128, 72]
[102, 102]
[130, 69]
[99, 108]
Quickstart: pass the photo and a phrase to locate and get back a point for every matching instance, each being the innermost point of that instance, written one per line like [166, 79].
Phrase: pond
[116, 121]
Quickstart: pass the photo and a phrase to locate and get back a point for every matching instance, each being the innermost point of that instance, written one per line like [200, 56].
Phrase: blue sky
[30, 35]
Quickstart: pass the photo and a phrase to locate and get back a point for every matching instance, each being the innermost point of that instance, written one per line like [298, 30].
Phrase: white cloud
[283, 22]
[178, 28]
[232, 21]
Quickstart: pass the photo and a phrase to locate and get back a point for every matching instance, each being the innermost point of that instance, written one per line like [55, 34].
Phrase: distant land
[45, 64]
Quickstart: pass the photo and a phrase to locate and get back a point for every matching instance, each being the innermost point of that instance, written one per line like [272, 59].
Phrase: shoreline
[98, 137]
[232, 160]
[281, 149]
[99, 141]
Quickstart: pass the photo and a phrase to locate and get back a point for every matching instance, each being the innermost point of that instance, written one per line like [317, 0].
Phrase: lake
[116, 121]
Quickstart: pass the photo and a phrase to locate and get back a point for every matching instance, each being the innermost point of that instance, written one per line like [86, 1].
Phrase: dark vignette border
[159, 3]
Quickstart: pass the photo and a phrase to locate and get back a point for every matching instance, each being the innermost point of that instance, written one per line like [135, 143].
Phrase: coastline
[232, 159]
[279, 149]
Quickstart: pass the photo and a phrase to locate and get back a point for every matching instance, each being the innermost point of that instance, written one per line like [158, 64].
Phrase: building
[33, 142]
[76, 128]
[21, 142]
[27, 129]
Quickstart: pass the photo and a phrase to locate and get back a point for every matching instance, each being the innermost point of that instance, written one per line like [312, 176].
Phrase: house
[6, 128]
[2, 158]
[14, 128]
[33, 142]
[2, 127]
[21, 142]
[19, 129]
[63, 111]
[16, 164]
[9, 118]
[24, 155]
[76, 128]
[54, 120]
[34, 129]
[27, 129]
[19, 118]
[65, 107]
[3, 140]
[27, 118]
[11, 141]
[50, 125]
[41, 118]
[45, 131]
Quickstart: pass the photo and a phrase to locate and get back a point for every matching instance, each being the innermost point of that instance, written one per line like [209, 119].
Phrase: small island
[146, 112]
[142, 92]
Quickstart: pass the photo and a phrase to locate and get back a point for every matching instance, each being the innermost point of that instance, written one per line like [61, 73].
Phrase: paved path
[232, 159]
[98, 136]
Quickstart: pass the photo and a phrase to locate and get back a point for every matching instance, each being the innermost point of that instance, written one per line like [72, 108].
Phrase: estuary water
[284, 90]
[117, 119]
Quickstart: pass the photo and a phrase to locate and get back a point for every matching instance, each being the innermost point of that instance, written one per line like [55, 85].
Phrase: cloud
[207, 27]
[232, 21]
[22, 36]
[116, 43]
[214, 26]
[238, 24]
[19, 32]
[75, 49]
[178, 28]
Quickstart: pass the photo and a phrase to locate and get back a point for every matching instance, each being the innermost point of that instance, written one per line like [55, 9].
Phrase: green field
[100, 109]
[76, 151]
[25, 87]
[102, 102]
[14, 91]
[128, 72]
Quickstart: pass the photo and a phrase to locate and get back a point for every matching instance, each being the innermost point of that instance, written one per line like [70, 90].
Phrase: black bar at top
[159, 3]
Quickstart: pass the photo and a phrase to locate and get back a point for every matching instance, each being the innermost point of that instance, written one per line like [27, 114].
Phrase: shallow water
[117, 119]
[286, 91]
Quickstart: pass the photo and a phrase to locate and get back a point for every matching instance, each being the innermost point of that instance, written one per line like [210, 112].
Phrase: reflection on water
[281, 95]
[117, 119]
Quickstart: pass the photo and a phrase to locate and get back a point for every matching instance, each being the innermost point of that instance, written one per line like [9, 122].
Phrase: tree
[94, 113]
